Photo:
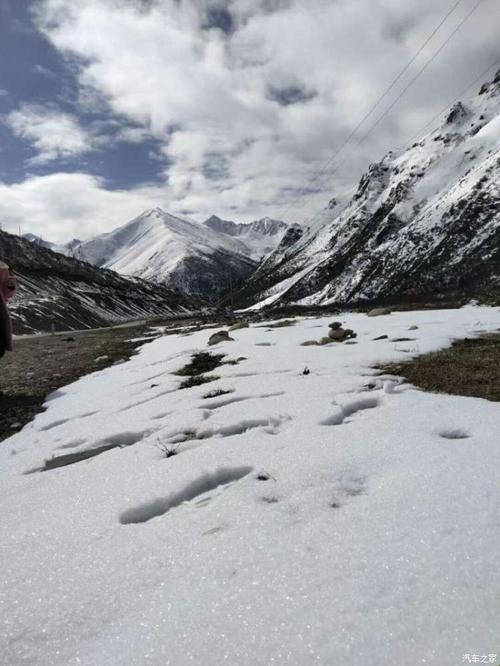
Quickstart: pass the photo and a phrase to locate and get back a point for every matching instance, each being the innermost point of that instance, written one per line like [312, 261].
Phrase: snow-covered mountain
[59, 290]
[181, 254]
[64, 248]
[260, 238]
[424, 222]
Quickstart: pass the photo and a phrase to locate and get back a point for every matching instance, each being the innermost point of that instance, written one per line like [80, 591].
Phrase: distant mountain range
[258, 238]
[424, 223]
[66, 248]
[207, 259]
[58, 290]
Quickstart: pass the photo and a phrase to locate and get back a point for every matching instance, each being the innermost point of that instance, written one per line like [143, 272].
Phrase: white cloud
[52, 133]
[67, 205]
[219, 99]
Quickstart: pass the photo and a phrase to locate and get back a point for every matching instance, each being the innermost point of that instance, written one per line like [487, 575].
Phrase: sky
[201, 107]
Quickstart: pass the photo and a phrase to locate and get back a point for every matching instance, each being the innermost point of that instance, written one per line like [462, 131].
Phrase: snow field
[304, 519]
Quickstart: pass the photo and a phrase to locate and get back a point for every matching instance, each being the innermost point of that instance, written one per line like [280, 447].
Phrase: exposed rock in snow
[218, 337]
[425, 222]
[378, 312]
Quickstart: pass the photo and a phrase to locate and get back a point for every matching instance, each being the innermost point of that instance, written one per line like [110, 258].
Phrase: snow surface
[374, 539]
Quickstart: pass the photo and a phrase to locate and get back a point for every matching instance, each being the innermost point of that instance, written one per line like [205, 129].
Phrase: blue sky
[108, 107]
[33, 72]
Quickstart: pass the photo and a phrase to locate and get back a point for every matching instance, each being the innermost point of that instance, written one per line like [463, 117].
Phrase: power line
[419, 73]
[407, 87]
[320, 172]
[418, 133]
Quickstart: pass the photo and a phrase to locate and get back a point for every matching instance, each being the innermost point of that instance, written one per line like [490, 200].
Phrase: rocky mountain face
[424, 223]
[54, 289]
[260, 238]
[175, 252]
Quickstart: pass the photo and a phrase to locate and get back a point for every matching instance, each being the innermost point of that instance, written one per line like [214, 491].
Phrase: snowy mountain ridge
[171, 250]
[426, 221]
[206, 259]
[260, 237]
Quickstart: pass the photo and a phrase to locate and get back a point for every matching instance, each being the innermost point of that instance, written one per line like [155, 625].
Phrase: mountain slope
[425, 222]
[260, 238]
[181, 254]
[71, 294]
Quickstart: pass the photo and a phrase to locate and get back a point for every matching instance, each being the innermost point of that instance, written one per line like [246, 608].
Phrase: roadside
[470, 367]
[129, 324]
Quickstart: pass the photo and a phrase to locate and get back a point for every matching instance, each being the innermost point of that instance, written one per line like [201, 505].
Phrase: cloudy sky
[109, 107]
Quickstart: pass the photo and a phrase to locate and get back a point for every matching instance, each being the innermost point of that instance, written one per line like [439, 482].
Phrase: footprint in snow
[120, 440]
[348, 486]
[270, 425]
[454, 433]
[349, 409]
[202, 485]
[54, 424]
[214, 530]
[217, 404]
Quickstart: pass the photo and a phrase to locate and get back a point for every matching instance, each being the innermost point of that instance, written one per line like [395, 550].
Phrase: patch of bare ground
[43, 363]
[470, 367]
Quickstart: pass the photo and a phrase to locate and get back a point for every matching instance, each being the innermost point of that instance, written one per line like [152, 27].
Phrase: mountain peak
[171, 250]
[222, 226]
[153, 213]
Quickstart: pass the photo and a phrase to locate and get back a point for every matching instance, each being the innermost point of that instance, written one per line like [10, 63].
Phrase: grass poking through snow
[198, 381]
[470, 367]
[216, 393]
[200, 363]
